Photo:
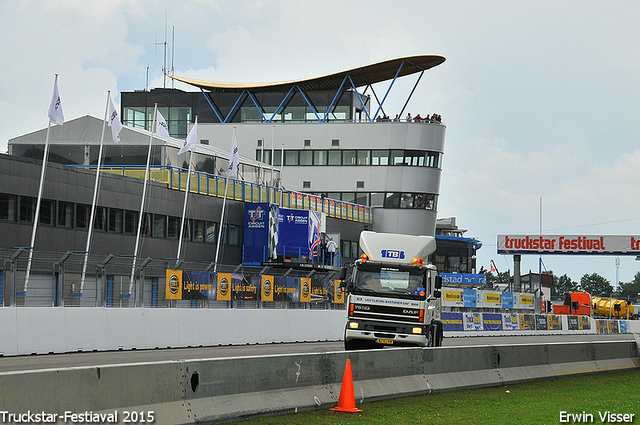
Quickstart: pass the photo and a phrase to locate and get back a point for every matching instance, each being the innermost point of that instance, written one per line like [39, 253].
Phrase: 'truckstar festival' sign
[569, 244]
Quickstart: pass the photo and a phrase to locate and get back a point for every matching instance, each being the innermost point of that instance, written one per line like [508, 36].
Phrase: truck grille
[385, 313]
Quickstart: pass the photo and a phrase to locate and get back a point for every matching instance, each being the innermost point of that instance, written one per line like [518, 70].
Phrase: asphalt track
[102, 358]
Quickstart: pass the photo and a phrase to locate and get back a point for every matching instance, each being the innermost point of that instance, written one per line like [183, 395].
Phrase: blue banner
[452, 321]
[507, 300]
[196, 286]
[465, 279]
[260, 232]
[469, 297]
[492, 321]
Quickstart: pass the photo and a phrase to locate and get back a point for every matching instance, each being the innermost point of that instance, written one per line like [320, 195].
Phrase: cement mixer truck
[394, 296]
[610, 307]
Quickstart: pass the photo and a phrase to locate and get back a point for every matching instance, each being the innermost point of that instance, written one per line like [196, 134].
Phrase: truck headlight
[417, 330]
[353, 325]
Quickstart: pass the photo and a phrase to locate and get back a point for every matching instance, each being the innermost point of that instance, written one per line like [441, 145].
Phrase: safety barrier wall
[219, 390]
[42, 330]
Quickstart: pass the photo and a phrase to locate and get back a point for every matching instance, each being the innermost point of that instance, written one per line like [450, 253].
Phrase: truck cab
[393, 297]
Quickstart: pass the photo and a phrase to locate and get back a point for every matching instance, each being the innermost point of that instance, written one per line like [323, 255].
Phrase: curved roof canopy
[366, 75]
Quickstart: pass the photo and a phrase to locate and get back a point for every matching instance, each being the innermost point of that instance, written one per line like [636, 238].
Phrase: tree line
[593, 283]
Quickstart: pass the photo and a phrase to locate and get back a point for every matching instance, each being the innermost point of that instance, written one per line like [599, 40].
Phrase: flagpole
[186, 194]
[224, 203]
[144, 193]
[184, 208]
[95, 196]
[36, 218]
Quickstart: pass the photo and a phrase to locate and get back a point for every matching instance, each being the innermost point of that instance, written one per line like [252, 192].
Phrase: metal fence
[239, 190]
[56, 281]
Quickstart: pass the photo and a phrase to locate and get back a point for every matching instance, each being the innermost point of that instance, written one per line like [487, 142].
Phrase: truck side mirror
[343, 273]
[438, 282]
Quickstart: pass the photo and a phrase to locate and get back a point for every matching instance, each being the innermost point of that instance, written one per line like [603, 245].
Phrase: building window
[364, 157]
[359, 185]
[406, 200]
[380, 157]
[306, 157]
[147, 220]
[173, 227]
[319, 157]
[307, 143]
[260, 143]
[392, 200]
[115, 220]
[83, 212]
[7, 207]
[234, 235]
[159, 225]
[27, 209]
[290, 157]
[349, 157]
[212, 232]
[198, 230]
[306, 185]
[335, 158]
[131, 222]
[204, 141]
[65, 214]
[335, 142]
[100, 222]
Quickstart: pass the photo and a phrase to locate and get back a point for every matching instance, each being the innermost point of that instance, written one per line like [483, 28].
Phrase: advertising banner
[188, 285]
[452, 321]
[286, 288]
[492, 321]
[245, 287]
[553, 322]
[613, 326]
[510, 322]
[507, 300]
[472, 321]
[305, 289]
[584, 322]
[623, 326]
[260, 237]
[527, 322]
[492, 299]
[569, 244]
[224, 287]
[541, 322]
[452, 297]
[469, 297]
[299, 232]
[573, 323]
[525, 302]
[463, 279]
[338, 293]
[267, 288]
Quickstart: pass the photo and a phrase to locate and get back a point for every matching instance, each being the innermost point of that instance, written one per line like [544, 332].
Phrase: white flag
[55, 109]
[114, 122]
[234, 160]
[162, 129]
[192, 139]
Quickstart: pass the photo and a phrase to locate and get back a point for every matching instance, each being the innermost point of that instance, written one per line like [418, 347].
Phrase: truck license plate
[384, 341]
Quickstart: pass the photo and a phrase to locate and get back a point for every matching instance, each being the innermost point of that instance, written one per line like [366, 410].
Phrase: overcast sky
[540, 98]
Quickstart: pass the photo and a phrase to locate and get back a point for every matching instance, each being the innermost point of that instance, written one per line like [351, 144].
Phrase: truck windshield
[391, 282]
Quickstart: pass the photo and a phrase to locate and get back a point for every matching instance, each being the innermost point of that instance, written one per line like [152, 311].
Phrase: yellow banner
[267, 288]
[174, 285]
[452, 296]
[305, 289]
[224, 287]
[338, 294]
[526, 299]
[492, 298]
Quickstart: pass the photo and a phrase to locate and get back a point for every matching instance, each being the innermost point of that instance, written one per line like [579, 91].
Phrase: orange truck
[577, 303]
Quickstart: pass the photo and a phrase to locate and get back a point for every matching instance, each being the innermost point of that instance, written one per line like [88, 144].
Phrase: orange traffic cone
[347, 401]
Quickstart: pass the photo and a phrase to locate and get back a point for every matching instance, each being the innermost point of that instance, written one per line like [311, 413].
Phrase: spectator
[397, 118]
[332, 248]
[409, 117]
[418, 118]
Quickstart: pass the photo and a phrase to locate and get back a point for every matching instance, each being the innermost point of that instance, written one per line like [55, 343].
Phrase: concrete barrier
[229, 389]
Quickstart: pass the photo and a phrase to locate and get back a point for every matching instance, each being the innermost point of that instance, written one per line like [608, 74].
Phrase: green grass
[537, 402]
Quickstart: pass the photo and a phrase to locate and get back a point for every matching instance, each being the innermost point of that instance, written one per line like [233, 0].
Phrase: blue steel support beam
[234, 106]
[309, 103]
[258, 107]
[334, 100]
[215, 110]
[281, 103]
[388, 90]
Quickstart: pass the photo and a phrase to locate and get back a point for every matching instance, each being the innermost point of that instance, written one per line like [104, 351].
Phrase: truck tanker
[610, 307]
[393, 296]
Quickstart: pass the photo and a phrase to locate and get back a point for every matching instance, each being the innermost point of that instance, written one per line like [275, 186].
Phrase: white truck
[393, 294]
